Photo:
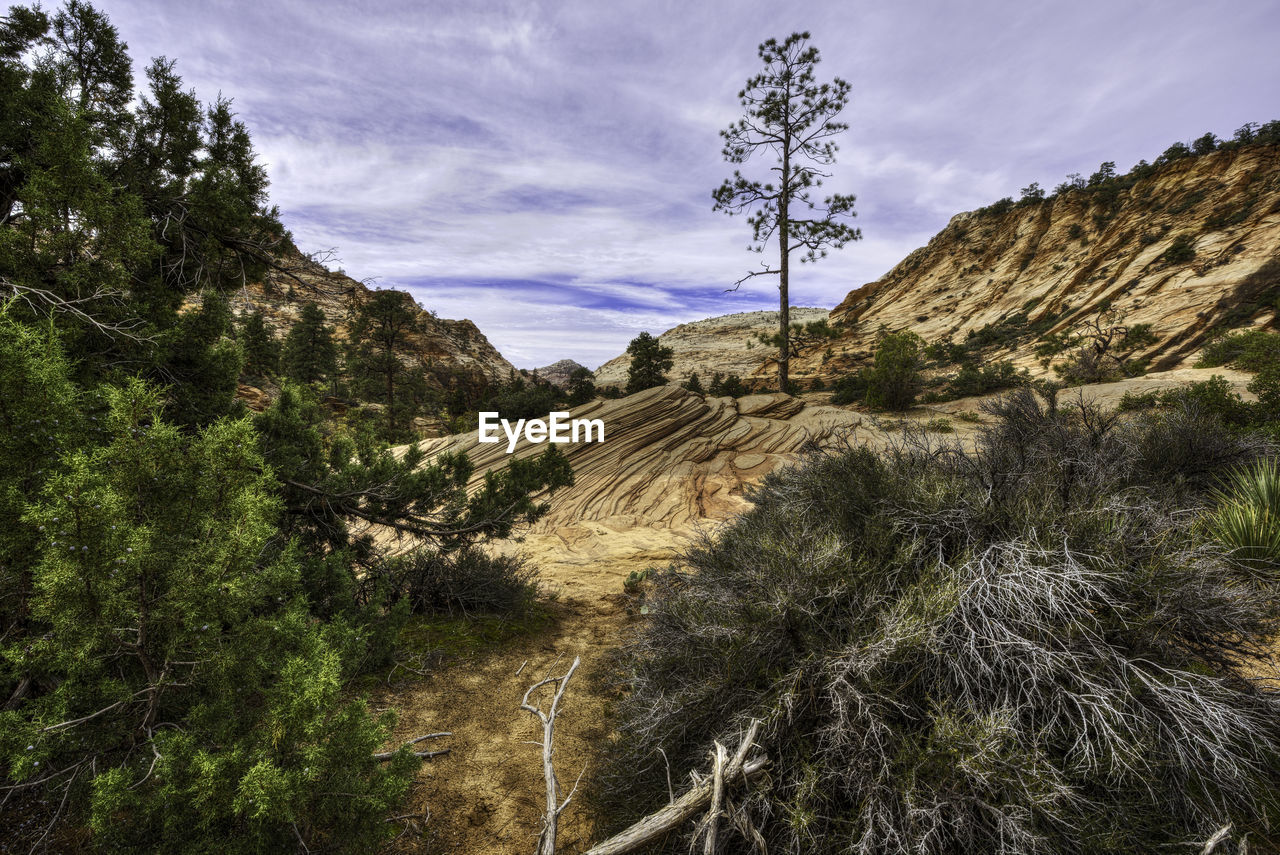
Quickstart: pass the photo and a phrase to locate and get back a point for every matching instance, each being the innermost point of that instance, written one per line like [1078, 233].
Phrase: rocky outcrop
[558, 373]
[727, 344]
[1193, 245]
[451, 351]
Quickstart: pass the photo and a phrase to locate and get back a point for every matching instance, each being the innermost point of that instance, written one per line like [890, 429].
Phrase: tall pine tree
[310, 354]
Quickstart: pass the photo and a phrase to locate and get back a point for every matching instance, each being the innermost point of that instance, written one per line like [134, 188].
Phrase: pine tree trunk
[784, 302]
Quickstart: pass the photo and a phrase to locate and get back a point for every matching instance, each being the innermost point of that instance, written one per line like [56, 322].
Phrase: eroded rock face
[1063, 262]
[558, 373]
[450, 350]
[727, 344]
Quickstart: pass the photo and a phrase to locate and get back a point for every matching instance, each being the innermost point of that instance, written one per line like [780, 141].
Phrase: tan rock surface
[671, 463]
[726, 344]
[984, 267]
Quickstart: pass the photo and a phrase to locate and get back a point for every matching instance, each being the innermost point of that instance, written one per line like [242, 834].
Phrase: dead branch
[387, 755]
[656, 824]
[712, 823]
[555, 807]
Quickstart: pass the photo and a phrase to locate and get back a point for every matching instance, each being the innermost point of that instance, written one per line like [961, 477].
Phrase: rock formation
[1065, 261]
[671, 462]
[1193, 246]
[558, 373]
[452, 351]
[727, 344]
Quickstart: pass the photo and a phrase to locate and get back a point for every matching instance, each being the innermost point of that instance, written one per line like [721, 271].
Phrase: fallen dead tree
[709, 792]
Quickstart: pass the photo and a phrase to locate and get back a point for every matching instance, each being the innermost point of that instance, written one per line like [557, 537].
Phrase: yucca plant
[1248, 514]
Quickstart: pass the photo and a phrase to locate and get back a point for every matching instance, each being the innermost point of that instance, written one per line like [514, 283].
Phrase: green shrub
[1026, 648]
[939, 425]
[650, 360]
[727, 387]
[1247, 518]
[466, 581]
[991, 377]
[1131, 401]
[894, 380]
[1249, 350]
[188, 700]
[1182, 250]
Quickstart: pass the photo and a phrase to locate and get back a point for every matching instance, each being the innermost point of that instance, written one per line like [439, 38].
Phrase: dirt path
[487, 794]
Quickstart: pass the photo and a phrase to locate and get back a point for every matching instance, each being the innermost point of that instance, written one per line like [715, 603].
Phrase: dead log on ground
[663, 821]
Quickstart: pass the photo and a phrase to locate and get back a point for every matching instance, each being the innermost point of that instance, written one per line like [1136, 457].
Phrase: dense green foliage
[194, 698]
[650, 360]
[893, 380]
[187, 595]
[1249, 350]
[582, 387]
[728, 386]
[1029, 647]
[260, 346]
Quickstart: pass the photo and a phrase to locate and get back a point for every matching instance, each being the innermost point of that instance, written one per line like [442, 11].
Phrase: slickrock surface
[726, 344]
[671, 463]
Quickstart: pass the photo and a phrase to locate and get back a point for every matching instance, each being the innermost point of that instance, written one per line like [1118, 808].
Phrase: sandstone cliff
[1193, 245]
[445, 347]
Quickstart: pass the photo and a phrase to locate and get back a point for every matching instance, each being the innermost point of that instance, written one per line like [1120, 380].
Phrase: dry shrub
[1022, 648]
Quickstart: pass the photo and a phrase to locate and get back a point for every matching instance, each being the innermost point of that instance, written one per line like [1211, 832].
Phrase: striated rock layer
[1065, 261]
[670, 463]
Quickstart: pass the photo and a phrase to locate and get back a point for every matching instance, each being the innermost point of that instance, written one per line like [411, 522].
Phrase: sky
[545, 168]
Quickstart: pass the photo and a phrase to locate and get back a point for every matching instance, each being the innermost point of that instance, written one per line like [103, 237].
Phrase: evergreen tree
[379, 335]
[309, 354]
[260, 346]
[180, 695]
[649, 362]
[693, 384]
[581, 387]
[792, 117]
[203, 364]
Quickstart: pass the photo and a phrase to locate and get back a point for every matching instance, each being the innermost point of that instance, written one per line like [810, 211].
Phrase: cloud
[545, 168]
